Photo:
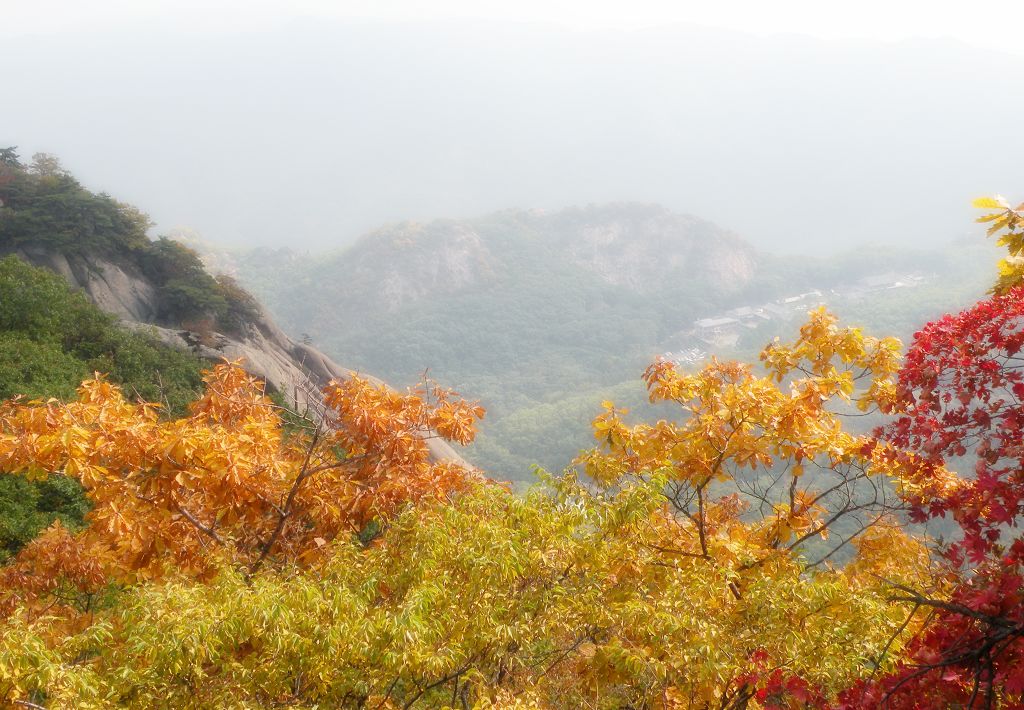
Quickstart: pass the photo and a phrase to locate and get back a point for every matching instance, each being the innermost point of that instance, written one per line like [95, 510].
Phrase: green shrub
[50, 339]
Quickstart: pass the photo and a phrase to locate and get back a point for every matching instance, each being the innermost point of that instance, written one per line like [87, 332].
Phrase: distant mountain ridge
[641, 249]
[514, 307]
[543, 314]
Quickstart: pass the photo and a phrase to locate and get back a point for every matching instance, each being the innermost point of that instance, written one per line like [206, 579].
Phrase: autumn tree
[557, 599]
[230, 480]
[9, 157]
[762, 483]
[774, 441]
[960, 398]
[47, 165]
[247, 570]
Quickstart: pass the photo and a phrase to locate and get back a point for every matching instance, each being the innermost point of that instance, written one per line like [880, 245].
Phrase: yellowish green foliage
[1009, 221]
[748, 440]
[559, 599]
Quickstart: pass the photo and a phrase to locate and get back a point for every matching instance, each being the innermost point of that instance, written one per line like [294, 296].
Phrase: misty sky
[799, 125]
[989, 23]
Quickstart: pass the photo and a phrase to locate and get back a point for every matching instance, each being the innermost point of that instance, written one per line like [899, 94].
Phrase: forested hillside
[544, 315]
[157, 287]
[50, 340]
[47, 212]
[600, 283]
[107, 299]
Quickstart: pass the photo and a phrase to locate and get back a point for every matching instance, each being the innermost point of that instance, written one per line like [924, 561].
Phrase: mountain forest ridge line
[222, 258]
[158, 289]
[600, 225]
[212, 245]
[217, 254]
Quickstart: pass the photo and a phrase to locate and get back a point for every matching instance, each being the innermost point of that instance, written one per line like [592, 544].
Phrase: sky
[308, 123]
[985, 23]
[992, 24]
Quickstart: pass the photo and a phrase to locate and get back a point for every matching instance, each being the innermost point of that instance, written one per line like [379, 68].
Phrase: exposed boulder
[117, 288]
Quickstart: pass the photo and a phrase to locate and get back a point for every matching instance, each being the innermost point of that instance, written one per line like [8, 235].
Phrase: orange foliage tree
[231, 480]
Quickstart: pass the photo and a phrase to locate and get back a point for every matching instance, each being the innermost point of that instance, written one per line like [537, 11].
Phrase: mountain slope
[52, 338]
[542, 315]
[160, 288]
[488, 299]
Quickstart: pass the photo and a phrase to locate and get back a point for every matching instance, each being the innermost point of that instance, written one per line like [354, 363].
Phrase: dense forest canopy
[50, 340]
[44, 206]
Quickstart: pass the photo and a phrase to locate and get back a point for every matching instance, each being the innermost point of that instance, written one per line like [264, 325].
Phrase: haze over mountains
[541, 315]
[314, 133]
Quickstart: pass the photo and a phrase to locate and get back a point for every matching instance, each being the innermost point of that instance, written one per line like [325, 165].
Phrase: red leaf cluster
[961, 399]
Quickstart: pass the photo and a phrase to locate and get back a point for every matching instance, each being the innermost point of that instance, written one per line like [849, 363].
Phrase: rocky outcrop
[296, 370]
[119, 289]
[408, 262]
[643, 247]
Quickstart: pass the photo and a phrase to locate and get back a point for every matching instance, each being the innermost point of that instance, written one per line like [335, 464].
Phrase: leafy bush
[50, 339]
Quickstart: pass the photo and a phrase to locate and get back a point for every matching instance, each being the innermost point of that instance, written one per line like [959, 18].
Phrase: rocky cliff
[639, 247]
[296, 370]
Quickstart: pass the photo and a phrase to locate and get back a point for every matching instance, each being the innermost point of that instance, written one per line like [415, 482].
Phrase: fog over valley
[313, 133]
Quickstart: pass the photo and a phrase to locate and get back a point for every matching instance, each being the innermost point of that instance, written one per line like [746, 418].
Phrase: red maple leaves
[962, 395]
[961, 398]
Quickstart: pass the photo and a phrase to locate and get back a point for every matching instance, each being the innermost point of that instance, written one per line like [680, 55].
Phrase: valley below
[542, 315]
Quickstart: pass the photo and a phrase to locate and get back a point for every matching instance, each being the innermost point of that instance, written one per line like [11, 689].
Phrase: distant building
[776, 311]
[879, 282]
[749, 316]
[706, 327]
[719, 332]
[687, 356]
[742, 312]
[882, 282]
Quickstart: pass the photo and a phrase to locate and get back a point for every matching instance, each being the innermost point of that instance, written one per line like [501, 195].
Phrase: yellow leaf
[998, 202]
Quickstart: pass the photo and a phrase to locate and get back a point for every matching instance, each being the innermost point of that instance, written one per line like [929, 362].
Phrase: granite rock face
[296, 370]
[119, 289]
